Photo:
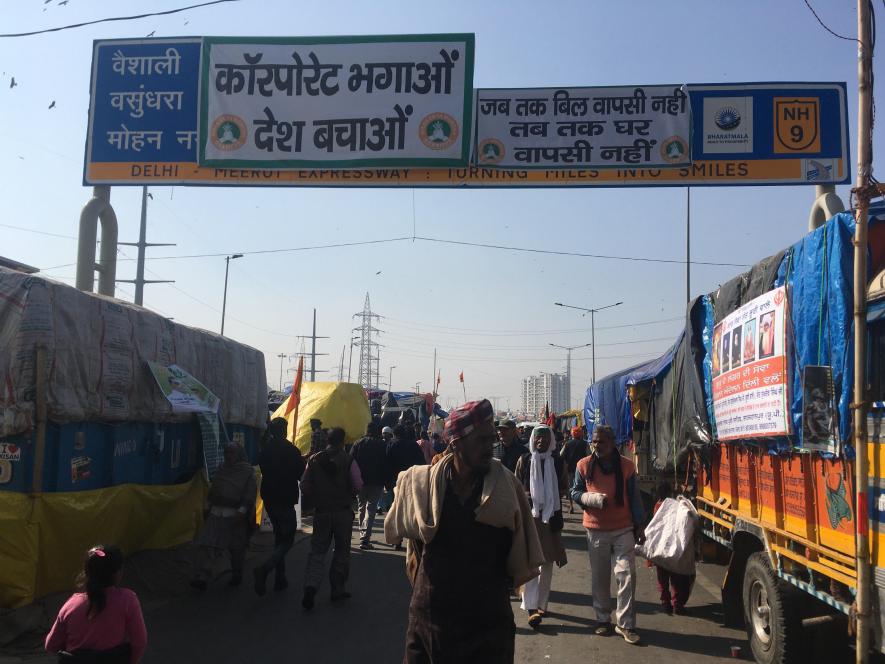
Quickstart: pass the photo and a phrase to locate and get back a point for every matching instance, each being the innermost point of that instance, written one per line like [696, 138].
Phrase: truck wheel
[772, 626]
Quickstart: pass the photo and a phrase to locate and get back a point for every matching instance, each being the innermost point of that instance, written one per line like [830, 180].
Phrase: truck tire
[773, 628]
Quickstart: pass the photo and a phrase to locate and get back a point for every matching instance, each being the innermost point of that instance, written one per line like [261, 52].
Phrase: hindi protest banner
[144, 108]
[637, 127]
[749, 370]
[337, 101]
[183, 392]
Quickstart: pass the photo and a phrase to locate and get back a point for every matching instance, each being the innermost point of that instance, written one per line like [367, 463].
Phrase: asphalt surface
[235, 625]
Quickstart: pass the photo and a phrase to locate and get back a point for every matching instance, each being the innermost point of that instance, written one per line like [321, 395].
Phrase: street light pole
[390, 378]
[592, 324]
[281, 356]
[568, 368]
[350, 361]
[227, 260]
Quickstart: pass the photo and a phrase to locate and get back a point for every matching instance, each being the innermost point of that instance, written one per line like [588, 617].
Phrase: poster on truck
[183, 392]
[749, 370]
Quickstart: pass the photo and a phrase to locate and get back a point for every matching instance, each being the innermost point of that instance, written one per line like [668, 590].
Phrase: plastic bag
[669, 536]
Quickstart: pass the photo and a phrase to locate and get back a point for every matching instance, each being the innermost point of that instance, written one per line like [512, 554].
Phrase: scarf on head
[543, 484]
[617, 469]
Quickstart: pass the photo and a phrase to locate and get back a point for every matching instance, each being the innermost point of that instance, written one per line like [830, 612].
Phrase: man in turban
[470, 538]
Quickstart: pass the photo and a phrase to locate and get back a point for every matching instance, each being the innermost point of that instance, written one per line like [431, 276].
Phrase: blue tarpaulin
[606, 400]
[819, 273]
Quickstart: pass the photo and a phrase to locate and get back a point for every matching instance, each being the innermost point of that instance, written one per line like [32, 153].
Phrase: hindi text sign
[749, 370]
[336, 102]
[632, 127]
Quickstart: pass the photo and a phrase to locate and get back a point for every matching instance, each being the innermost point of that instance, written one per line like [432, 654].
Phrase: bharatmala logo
[438, 131]
[728, 125]
[728, 118]
[228, 133]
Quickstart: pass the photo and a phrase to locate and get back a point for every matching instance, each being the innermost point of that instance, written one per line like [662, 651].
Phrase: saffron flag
[295, 397]
[461, 376]
[438, 376]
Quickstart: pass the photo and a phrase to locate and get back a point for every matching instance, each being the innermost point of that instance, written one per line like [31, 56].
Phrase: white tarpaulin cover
[97, 350]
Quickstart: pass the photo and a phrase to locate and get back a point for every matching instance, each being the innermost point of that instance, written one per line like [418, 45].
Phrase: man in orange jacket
[605, 487]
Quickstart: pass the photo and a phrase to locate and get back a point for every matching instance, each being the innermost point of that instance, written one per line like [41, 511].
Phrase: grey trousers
[328, 527]
[367, 502]
[612, 551]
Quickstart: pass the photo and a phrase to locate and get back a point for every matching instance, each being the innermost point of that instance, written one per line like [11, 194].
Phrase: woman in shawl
[231, 514]
[543, 476]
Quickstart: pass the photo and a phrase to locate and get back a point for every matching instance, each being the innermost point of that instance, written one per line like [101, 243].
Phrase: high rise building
[545, 389]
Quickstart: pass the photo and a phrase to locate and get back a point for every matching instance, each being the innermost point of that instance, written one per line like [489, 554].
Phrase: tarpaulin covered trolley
[90, 448]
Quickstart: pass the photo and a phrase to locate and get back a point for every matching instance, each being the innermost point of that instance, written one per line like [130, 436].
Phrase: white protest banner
[637, 126]
[336, 102]
[183, 392]
[749, 370]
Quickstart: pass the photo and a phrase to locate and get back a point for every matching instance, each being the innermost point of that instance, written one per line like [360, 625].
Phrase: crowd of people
[478, 510]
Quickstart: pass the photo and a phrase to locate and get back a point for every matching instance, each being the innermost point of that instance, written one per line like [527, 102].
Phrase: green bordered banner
[336, 102]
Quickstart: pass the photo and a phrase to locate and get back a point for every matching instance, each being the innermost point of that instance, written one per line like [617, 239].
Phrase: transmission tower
[369, 347]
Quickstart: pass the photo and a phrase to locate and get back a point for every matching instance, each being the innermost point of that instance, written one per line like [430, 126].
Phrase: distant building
[544, 389]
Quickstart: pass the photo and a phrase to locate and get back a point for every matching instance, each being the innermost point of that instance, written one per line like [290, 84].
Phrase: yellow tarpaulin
[43, 537]
[337, 404]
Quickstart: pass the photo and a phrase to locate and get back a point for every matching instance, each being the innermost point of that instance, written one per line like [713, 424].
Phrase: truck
[91, 447]
[761, 436]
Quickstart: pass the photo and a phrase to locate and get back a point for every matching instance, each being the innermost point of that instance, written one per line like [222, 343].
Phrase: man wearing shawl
[231, 512]
[470, 537]
[542, 474]
[605, 487]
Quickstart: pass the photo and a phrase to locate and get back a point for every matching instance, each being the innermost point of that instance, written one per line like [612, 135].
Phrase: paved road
[234, 625]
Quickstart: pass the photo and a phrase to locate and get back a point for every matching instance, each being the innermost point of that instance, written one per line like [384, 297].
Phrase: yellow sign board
[718, 172]
[796, 125]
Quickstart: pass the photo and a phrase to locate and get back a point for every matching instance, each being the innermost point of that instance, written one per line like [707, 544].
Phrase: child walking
[104, 622]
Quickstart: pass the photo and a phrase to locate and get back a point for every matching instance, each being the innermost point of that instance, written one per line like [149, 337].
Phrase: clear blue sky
[489, 313]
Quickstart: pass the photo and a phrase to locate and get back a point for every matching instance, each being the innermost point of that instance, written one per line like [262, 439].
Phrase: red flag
[295, 397]
[461, 376]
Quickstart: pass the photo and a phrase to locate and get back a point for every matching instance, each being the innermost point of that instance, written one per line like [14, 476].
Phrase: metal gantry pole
[593, 340]
[861, 191]
[688, 244]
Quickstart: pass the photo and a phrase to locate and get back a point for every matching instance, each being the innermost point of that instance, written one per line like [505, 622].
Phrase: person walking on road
[331, 481]
[370, 454]
[542, 474]
[605, 487]
[574, 450]
[281, 469]
[102, 622]
[470, 537]
[674, 588]
[509, 448]
[318, 436]
[231, 517]
[402, 454]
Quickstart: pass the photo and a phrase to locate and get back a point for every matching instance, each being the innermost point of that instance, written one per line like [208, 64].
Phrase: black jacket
[508, 456]
[402, 454]
[281, 468]
[370, 455]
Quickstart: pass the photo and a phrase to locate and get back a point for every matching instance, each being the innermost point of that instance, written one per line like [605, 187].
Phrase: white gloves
[593, 500]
